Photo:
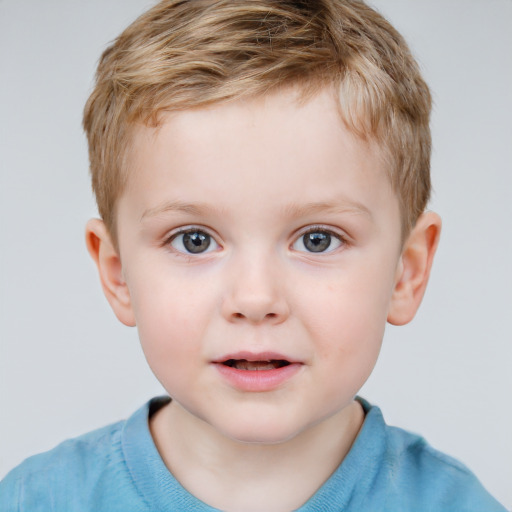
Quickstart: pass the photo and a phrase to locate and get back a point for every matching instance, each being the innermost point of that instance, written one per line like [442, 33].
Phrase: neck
[236, 476]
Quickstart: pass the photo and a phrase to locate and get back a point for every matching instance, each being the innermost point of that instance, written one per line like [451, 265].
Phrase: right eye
[193, 241]
[318, 240]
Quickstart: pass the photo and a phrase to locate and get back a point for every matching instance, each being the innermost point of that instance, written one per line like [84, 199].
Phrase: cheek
[348, 346]
[347, 316]
[171, 320]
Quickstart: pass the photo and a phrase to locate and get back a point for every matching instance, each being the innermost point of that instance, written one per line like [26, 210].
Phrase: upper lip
[255, 356]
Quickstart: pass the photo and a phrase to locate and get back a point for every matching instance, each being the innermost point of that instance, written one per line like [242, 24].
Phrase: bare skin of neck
[240, 477]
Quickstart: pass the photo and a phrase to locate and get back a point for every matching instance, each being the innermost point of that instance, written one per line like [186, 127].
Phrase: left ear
[414, 268]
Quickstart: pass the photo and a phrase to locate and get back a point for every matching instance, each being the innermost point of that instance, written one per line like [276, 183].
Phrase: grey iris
[196, 241]
[316, 241]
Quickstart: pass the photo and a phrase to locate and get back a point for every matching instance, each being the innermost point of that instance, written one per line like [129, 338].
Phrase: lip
[257, 380]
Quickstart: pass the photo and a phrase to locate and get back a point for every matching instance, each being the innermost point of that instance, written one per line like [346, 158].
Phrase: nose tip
[255, 297]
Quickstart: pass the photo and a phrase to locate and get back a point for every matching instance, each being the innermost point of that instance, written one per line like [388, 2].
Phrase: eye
[193, 241]
[318, 240]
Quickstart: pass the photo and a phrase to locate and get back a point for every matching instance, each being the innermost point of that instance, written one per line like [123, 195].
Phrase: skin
[254, 176]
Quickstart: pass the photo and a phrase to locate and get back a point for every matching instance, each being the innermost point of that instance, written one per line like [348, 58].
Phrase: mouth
[264, 365]
[257, 372]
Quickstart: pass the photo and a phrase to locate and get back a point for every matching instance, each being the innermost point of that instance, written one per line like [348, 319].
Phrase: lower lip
[258, 380]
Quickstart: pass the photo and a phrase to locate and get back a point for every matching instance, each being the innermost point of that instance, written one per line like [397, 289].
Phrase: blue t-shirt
[118, 468]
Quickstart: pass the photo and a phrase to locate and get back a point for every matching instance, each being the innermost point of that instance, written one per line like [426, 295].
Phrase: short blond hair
[184, 54]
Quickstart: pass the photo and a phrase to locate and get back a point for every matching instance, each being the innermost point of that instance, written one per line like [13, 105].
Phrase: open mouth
[257, 372]
[244, 364]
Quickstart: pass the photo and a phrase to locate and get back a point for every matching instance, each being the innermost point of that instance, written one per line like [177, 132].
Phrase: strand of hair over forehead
[188, 54]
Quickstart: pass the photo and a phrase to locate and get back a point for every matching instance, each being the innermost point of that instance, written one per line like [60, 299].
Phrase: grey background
[67, 366]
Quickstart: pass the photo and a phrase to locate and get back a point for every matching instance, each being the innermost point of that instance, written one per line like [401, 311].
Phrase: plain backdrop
[66, 364]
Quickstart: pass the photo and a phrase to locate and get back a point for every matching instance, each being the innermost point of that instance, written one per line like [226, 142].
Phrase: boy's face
[260, 246]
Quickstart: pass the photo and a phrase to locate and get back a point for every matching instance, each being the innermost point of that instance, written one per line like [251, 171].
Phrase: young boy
[262, 172]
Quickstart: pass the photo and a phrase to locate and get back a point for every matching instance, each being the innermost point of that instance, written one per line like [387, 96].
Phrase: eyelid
[170, 237]
[188, 229]
[342, 238]
[323, 228]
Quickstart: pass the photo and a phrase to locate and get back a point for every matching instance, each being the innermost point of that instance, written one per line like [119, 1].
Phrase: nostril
[268, 316]
[256, 314]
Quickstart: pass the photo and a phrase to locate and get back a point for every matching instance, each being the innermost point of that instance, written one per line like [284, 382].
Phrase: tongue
[256, 365]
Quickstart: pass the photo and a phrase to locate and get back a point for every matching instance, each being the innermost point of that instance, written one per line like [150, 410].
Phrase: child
[262, 172]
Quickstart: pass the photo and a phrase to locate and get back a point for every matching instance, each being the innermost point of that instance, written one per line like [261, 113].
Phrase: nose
[256, 292]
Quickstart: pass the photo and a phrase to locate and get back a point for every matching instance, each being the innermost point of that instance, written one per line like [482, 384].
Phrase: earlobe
[108, 262]
[414, 269]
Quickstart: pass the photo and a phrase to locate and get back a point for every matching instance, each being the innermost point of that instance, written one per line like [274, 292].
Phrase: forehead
[275, 147]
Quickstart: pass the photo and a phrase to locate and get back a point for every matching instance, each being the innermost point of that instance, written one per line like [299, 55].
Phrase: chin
[263, 433]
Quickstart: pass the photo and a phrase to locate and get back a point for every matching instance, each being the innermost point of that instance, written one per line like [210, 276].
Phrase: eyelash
[340, 239]
[189, 230]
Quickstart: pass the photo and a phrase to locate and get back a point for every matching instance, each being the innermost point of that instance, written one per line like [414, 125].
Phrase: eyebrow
[334, 207]
[291, 210]
[178, 206]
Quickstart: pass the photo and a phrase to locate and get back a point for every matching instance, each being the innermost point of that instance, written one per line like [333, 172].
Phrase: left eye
[317, 241]
[193, 241]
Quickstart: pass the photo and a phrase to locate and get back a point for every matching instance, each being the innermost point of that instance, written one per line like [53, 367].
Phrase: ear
[107, 260]
[414, 269]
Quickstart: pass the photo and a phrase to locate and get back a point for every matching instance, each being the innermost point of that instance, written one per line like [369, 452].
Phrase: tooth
[256, 365]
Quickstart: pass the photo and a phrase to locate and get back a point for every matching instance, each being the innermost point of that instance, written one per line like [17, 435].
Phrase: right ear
[108, 262]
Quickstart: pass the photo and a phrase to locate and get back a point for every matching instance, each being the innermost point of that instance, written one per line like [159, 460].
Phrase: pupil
[196, 242]
[317, 242]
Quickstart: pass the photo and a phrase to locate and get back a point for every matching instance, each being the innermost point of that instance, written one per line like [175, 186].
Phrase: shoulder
[411, 456]
[69, 476]
[426, 478]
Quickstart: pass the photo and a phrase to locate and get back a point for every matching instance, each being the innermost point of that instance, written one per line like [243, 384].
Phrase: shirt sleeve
[10, 493]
